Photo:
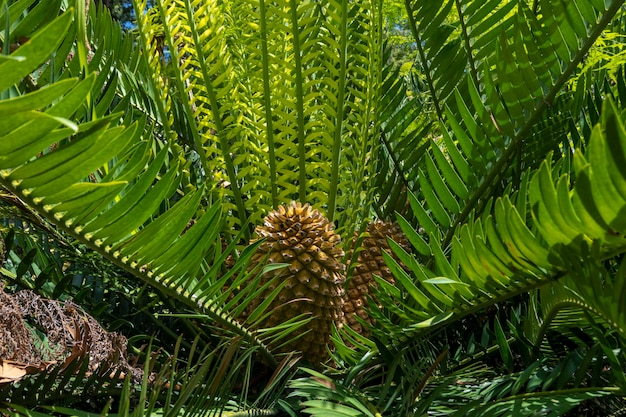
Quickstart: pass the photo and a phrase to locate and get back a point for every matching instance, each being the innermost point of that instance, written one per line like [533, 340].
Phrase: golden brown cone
[370, 262]
[302, 237]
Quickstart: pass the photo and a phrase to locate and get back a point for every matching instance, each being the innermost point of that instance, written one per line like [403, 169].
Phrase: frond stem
[256, 412]
[217, 118]
[302, 179]
[267, 102]
[173, 49]
[339, 113]
[394, 159]
[422, 54]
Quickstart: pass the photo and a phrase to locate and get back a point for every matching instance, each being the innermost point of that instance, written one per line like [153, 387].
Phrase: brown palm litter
[38, 334]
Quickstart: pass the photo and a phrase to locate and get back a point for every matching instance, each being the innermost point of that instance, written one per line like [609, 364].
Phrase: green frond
[441, 55]
[588, 289]
[532, 404]
[323, 397]
[542, 387]
[499, 255]
[150, 39]
[53, 386]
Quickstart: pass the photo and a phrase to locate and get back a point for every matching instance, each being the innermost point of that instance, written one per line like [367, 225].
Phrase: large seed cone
[303, 238]
[370, 262]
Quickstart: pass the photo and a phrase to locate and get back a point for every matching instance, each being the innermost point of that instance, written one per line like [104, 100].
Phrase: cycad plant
[502, 161]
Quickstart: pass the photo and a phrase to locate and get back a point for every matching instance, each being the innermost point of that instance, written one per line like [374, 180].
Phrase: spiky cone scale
[303, 238]
[370, 262]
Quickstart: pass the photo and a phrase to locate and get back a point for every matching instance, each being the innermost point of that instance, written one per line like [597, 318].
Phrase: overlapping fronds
[58, 181]
[541, 389]
[53, 385]
[358, 116]
[100, 176]
[502, 194]
[286, 100]
[499, 255]
[494, 123]
[281, 98]
[204, 386]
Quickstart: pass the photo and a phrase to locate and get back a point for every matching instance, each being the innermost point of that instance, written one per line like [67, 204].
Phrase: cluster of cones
[314, 280]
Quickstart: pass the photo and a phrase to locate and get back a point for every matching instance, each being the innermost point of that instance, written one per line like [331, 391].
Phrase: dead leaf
[40, 367]
[327, 382]
[75, 331]
[11, 371]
